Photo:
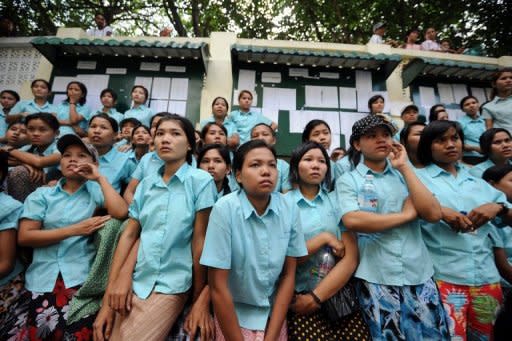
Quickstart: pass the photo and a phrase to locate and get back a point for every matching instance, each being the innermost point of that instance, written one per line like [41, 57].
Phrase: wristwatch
[504, 209]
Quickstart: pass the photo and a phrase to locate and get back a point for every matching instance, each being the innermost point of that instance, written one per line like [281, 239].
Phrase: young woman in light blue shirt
[252, 241]
[396, 291]
[473, 126]
[58, 222]
[158, 252]
[320, 218]
[460, 244]
[41, 91]
[141, 142]
[215, 159]
[73, 113]
[139, 110]
[108, 99]
[496, 146]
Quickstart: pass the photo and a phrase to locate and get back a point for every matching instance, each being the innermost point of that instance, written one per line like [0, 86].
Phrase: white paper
[271, 113]
[329, 75]
[247, 80]
[174, 68]
[321, 96]
[348, 98]
[178, 107]
[179, 89]
[459, 92]
[445, 93]
[271, 77]
[145, 66]
[363, 81]
[161, 88]
[279, 98]
[299, 119]
[488, 93]
[94, 83]
[362, 100]
[298, 72]
[347, 120]
[335, 142]
[159, 105]
[145, 82]
[288, 99]
[86, 65]
[333, 119]
[94, 102]
[116, 71]
[60, 83]
[59, 98]
[455, 114]
[427, 96]
[479, 93]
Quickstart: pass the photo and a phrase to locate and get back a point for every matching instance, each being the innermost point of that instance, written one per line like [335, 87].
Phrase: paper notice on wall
[459, 92]
[145, 66]
[94, 102]
[159, 105]
[59, 98]
[321, 96]
[329, 75]
[299, 119]
[60, 83]
[179, 89]
[479, 93]
[271, 77]
[488, 93]
[246, 80]
[364, 81]
[445, 93]
[427, 96]
[178, 107]
[86, 65]
[271, 113]
[161, 88]
[347, 120]
[95, 83]
[145, 82]
[348, 98]
[332, 118]
[174, 68]
[279, 98]
[298, 72]
[455, 114]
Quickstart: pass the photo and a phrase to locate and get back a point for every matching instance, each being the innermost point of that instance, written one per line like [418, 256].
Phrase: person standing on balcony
[101, 29]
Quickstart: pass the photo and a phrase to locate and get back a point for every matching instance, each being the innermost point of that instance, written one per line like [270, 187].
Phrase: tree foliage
[470, 23]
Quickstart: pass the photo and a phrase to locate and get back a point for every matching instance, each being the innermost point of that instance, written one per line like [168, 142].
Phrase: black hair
[244, 149]
[225, 101]
[141, 126]
[404, 134]
[113, 122]
[245, 92]
[18, 120]
[83, 89]
[310, 126]
[297, 155]
[496, 173]
[431, 132]
[207, 126]
[374, 99]
[146, 92]
[12, 93]
[40, 80]
[160, 114]
[128, 120]
[224, 153]
[187, 127]
[109, 91]
[487, 137]
[47, 118]
[465, 98]
[433, 114]
[266, 125]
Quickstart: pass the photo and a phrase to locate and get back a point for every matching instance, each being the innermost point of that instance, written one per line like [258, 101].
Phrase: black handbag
[343, 303]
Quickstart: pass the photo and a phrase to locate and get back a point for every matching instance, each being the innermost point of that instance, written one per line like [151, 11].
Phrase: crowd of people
[136, 226]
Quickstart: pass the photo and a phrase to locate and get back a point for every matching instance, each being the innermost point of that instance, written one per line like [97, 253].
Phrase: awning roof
[322, 58]
[447, 68]
[54, 47]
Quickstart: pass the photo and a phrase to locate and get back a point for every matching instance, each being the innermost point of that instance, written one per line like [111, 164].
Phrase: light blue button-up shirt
[149, 164]
[316, 216]
[63, 114]
[51, 149]
[230, 127]
[166, 213]
[73, 256]
[117, 167]
[479, 169]
[32, 107]
[10, 212]
[142, 113]
[460, 258]
[393, 257]
[254, 248]
[3, 124]
[502, 238]
[473, 129]
[499, 111]
[245, 121]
